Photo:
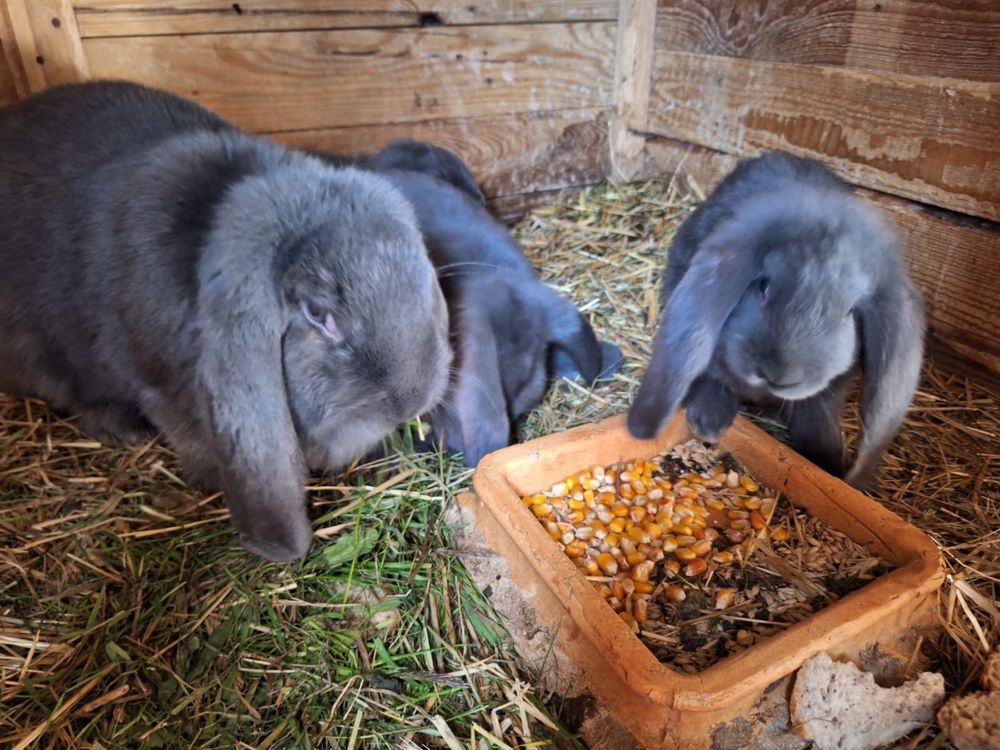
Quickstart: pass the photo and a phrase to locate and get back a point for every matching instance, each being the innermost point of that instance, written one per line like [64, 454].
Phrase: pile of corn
[618, 523]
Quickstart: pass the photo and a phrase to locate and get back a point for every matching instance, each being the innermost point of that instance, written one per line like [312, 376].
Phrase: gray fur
[777, 289]
[511, 333]
[155, 267]
[505, 320]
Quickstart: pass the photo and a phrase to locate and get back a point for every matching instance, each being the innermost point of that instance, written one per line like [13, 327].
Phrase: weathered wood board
[314, 79]
[99, 18]
[953, 259]
[519, 153]
[935, 38]
[930, 139]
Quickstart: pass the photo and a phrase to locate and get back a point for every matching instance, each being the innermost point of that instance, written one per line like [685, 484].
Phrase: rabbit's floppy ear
[241, 389]
[892, 341]
[692, 319]
[570, 331]
[478, 404]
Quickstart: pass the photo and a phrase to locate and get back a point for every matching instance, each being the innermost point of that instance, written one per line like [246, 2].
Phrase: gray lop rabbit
[778, 288]
[511, 333]
[160, 269]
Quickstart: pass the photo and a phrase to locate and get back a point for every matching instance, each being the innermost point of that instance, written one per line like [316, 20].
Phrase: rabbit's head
[788, 291]
[426, 158]
[323, 327]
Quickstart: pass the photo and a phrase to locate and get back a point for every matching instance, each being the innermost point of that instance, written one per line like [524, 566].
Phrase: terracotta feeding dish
[661, 707]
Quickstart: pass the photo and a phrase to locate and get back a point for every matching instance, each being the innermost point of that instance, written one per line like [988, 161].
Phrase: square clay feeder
[663, 708]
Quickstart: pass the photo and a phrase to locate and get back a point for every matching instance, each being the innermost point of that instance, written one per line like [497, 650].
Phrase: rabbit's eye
[323, 322]
[762, 284]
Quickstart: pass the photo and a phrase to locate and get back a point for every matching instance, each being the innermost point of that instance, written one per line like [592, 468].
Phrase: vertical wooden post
[46, 43]
[633, 70]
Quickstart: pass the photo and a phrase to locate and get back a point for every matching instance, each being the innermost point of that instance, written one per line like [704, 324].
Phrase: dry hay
[128, 615]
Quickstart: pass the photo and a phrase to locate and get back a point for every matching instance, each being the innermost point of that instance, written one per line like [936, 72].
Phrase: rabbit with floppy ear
[159, 269]
[511, 333]
[778, 288]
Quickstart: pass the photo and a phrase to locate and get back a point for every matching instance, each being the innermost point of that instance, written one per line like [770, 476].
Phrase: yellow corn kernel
[744, 637]
[560, 489]
[685, 540]
[568, 537]
[576, 504]
[606, 498]
[538, 499]
[780, 534]
[617, 590]
[702, 547]
[634, 558]
[669, 543]
[654, 530]
[640, 609]
[681, 529]
[643, 570]
[732, 480]
[685, 554]
[757, 520]
[724, 558]
[612, 540]
[741, 524]
[674, 593]
[711, 534]
[610, 476]
[628, 587]
[715, 503]
[639, 487]
[541, 511]
[570, 483]
[589, 484]
[619, 510]
[655, 494]
[736, 515]
[696, 567]
[688, 493]
[753, 503]
[603, 513]
[637, 513]
[697, 522]
[585, 532]
[589, 566]
[597, 472]
[617, 525]
[607, 563]
[735, 536]
[644, 587]
[626, 491]
[724, 598]
[576, 549]
[629, 620]
[637, 534]
[748, 484]
[600, 529]
[673, 566]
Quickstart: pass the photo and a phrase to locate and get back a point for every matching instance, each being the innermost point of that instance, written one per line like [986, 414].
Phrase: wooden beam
[929, 139]
[508, 154]
[303, 80]
[102, 18]
[46, 40]
[633, 68]
[935, 38]
[954, 260]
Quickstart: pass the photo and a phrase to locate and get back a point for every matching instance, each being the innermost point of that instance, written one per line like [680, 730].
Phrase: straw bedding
[129, 616]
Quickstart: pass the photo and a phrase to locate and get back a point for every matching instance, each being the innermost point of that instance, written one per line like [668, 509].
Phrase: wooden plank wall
[901, 97]
[521, 89]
